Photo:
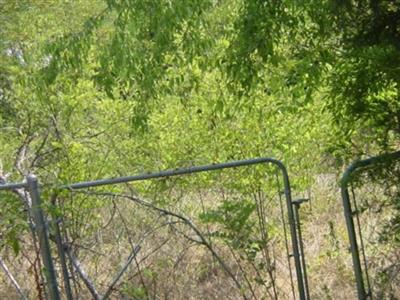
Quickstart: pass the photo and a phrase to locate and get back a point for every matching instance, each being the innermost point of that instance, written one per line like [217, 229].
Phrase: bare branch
[40, 148]
[21, 155]
[89, 284]
[131, 257]
[12, 279]
[185, 220]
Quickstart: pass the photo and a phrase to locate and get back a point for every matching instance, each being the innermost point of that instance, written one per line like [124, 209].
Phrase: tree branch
[131, 257]
[12, 279]
[185, 220]
[89, 284]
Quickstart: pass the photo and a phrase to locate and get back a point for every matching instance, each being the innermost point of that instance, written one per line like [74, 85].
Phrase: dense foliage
[92, 89]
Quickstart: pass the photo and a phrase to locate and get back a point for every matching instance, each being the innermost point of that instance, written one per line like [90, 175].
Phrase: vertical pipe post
[63, 261]
[61, 252]
[41, 229]
[293, 231]
[353, 243]
[297, 204]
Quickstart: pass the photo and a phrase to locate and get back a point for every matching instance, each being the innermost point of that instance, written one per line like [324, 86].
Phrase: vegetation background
[92, 89]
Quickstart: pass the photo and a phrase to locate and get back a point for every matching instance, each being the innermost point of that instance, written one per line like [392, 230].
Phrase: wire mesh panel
[374, 197]
[215, 235]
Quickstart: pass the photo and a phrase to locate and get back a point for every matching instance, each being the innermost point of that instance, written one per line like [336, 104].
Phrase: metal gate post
[297, 204]
[41, 229]
[63, 260]
[293, 231]
[353, 243]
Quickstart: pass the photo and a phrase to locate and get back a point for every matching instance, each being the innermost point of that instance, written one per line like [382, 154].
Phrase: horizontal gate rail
[13, 186]
[181, 171]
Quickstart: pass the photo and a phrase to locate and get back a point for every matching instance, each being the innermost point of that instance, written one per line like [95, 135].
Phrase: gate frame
[349, 213]
[297, 254]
